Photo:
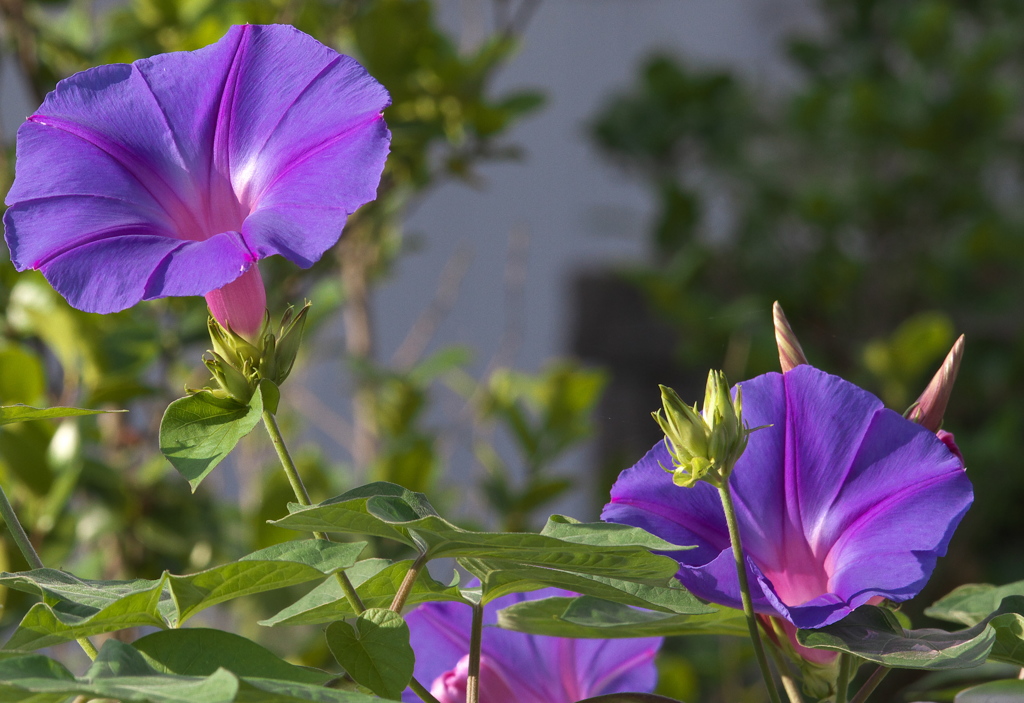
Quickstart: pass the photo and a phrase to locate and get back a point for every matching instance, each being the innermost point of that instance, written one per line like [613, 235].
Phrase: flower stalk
[748, 604]
[475, 637]
[846, 670]
[871, 684]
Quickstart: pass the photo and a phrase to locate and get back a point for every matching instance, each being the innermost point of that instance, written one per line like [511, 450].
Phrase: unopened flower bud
[929, 409]
[791, 354]
[236, 383]
[288, 342]
[704, 445]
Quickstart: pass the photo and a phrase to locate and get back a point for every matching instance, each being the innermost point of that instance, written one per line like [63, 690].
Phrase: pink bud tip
[241, 304]
[931, 406]
[450, 687]
[791, 354]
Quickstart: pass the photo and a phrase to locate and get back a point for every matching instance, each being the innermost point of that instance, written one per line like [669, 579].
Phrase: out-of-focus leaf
[971, 603]
[1005, 691]
[23, 413]
[21, 376]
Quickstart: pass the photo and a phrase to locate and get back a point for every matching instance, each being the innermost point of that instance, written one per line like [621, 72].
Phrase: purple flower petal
[260, 144]
[539, 669]
[838, 502]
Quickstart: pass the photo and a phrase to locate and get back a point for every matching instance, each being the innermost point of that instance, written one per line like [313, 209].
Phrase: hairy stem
[845, 672]
[31, 555]
[302, 496]
[425, 695]
[871, 684]
[475, 635]
[748, 604]
[407, 583]
[789, 684]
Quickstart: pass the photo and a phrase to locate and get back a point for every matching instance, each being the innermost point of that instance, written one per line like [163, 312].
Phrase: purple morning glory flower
[519, 668]
[175, 174]
[839, 502]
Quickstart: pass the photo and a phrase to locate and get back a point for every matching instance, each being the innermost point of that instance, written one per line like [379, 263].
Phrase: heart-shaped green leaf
[198, 431]
[376, 652]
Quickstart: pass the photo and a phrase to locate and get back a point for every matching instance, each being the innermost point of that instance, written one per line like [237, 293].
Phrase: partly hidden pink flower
[174, 175]
[519, 668]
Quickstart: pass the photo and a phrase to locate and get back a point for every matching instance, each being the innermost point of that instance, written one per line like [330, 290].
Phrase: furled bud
[288, 341]
[791, 354]
[239, 365]
[237, 383]
[704, 445]
[929, 409]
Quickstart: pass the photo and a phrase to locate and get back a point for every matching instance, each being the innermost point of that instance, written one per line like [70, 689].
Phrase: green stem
[302, 496]
[18, 532]
[475, 636]
[407, 583]
[843, 681]
[748, 604]
[425, 695]
[31, 555]
[871, 684]
[789, 684]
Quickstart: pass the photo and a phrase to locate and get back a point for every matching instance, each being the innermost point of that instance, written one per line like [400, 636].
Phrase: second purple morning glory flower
[174, 175]
[839, 501]
[519, 668]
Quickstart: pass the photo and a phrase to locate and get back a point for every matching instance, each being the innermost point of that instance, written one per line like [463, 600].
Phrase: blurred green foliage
[879, 199]
[94, 493]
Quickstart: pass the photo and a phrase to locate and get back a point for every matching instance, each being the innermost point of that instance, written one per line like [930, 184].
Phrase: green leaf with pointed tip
[327, 602]
[198, 431]
[499, 577]
[605, 534]
[376, 652]
[592, 618]
[1005, 691]
[257, 690]
[118, 673]
[74, 607]
[200, 652]
[23, 413]
[367, 510]
[279, 566]
[386, 510]
[118, 658]
[45, 625]
[972, 603]
[55, 586]
[875, 634]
